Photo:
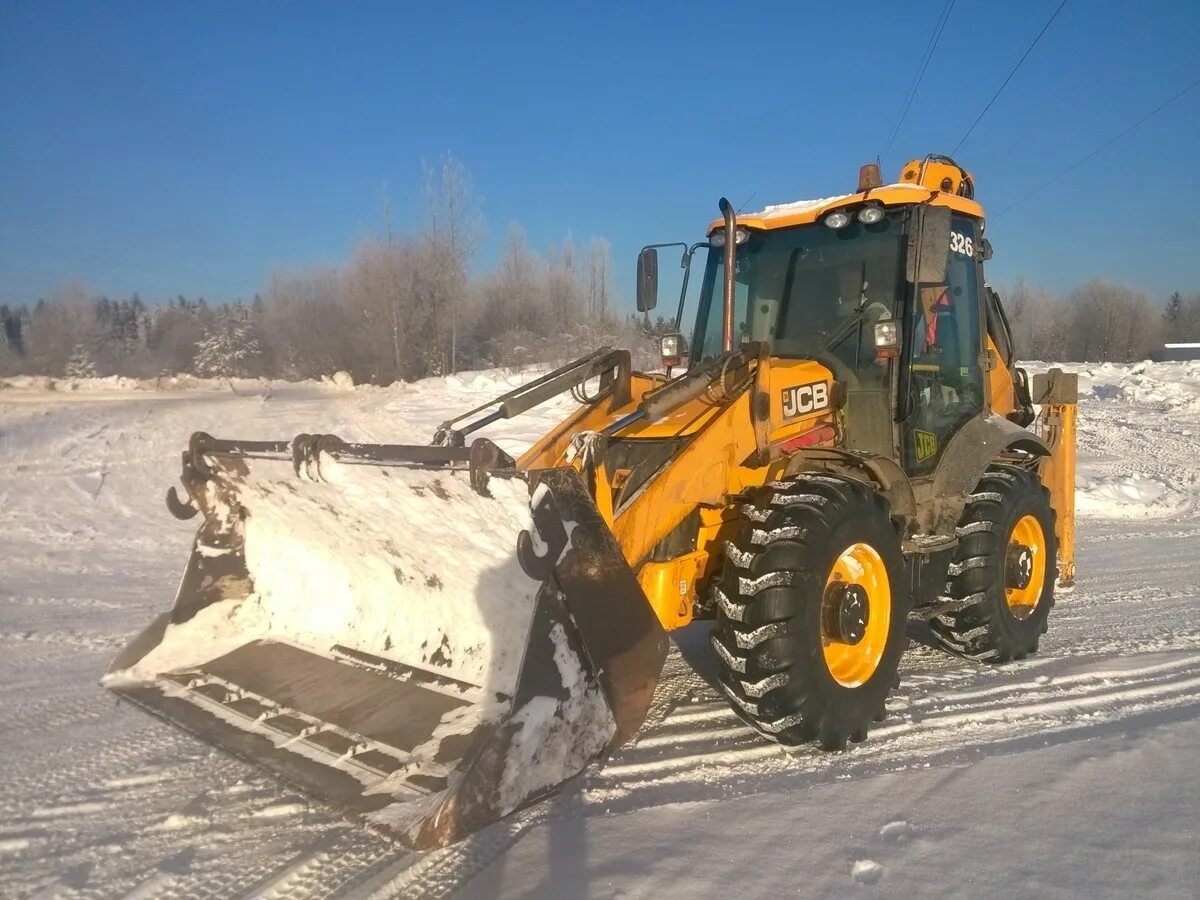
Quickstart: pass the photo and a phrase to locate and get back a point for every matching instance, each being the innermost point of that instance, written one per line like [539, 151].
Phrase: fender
[882, 471]
[941, 500]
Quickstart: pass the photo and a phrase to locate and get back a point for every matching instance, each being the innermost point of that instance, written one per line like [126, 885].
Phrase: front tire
[1003, 570]
[811, 609]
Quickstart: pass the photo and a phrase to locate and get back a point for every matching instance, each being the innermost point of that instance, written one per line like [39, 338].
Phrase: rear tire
[797, 657]
[1004, 566]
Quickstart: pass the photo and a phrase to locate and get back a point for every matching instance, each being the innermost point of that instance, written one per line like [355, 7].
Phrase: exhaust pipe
[730, 259]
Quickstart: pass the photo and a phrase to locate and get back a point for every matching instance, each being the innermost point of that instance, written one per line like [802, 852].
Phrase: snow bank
[1167, 385]
[482, 383]
[121, 384]
[1133, 496]
[1108, 488]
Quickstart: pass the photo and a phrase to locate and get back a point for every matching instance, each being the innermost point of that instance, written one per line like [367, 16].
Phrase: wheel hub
[1019, 567]
[846, 613]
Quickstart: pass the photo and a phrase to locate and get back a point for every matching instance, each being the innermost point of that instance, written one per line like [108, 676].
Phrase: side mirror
[928, 245]
[647, 280]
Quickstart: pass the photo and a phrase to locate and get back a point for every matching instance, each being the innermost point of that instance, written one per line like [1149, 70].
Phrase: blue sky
[194, 147]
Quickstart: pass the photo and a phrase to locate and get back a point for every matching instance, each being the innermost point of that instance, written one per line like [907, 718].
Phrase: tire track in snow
[74, 639]
[701, 749]
[706, 743]
[56, 602]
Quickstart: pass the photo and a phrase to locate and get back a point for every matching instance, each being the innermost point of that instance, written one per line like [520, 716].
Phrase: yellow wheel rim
[854, 648]
[1025, 567]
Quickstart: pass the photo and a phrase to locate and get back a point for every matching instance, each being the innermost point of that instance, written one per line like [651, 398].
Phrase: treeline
[405, 307]
[77, 336]
[1098, 322]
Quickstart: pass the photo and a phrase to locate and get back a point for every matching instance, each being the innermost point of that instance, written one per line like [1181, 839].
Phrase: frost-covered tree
[453, 230]
[229, 346]
[9, 359]
[56, 326]
[307, 330]
[1110, 322]
[1173, 313]
[80, 364]
[599, 278]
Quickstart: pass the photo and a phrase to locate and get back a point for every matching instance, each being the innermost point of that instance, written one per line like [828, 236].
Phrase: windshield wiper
[860, 314]
[846, 330]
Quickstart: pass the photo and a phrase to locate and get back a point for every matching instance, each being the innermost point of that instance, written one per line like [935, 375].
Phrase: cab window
[943, 347]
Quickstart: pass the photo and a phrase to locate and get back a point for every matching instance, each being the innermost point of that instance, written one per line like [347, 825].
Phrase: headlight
[869, 215]
[839, 218]
[717, 238]
[670, 346]
[887, 339]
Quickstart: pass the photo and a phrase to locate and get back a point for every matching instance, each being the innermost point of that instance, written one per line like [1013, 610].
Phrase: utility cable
[1000, 89]
[1079, 162]
[930, 48]
[1128, 40]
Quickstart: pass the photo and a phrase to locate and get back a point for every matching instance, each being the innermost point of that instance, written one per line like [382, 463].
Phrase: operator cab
[834, 281]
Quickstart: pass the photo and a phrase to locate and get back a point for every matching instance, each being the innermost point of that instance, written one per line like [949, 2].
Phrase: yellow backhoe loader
[429, 637]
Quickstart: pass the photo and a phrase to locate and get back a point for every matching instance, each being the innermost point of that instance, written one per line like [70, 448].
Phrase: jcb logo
[925, 445]
[805, 398]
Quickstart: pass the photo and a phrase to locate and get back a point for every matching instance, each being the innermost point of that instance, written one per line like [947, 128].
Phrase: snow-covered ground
[1073, 773]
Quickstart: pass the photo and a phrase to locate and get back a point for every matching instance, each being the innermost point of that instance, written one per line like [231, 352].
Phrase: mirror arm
[687, 273]
[672, 244]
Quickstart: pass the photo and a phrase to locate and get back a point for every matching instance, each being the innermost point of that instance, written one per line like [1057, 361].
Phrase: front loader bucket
[423, 646]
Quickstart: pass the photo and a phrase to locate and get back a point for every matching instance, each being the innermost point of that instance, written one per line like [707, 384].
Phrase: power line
[1079, 162]
[930, 48]
[1000, 89]
[1127, 40]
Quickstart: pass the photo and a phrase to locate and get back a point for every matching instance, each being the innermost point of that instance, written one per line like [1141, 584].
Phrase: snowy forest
[407, 307]
[1100, 321]
[404, 307]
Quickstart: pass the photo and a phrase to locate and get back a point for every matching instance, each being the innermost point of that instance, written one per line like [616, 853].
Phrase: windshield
[800, 287]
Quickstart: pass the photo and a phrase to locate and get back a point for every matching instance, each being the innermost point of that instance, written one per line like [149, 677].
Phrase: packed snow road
[1072, 773]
